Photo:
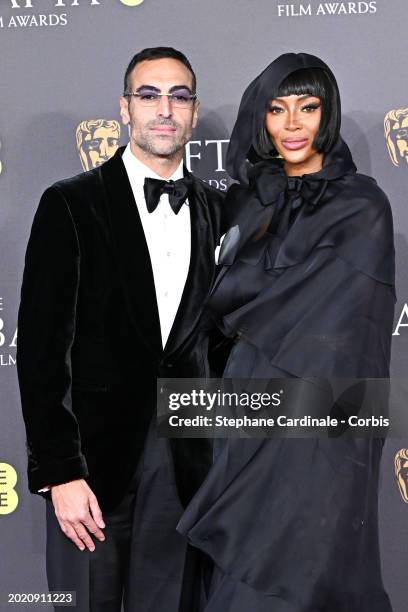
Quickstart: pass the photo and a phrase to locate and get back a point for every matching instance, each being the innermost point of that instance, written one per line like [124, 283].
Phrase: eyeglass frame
[136, 94]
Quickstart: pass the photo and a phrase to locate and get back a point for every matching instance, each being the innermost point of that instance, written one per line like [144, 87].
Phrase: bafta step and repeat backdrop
[61, 71]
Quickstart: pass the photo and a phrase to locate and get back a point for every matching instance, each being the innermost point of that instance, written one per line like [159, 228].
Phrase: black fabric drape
[291, 524]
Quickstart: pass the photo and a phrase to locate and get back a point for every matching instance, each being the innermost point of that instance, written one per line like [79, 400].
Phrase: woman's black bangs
[302, 82]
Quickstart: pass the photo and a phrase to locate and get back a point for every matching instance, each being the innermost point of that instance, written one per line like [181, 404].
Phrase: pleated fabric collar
[271, 183]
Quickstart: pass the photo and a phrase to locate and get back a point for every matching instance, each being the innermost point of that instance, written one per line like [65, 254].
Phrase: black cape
[306, 288]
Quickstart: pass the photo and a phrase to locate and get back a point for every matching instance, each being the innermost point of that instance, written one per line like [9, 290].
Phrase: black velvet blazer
[89, 348]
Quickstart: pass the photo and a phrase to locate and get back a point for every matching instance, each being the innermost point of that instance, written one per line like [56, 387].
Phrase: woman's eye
[309, 108]
[275, 109]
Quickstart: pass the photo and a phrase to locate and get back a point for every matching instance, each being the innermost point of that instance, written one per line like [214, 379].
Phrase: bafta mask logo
[401, 472]
[1, 165]
[97, 140]
[8, 495]
[396, 135]
[131, 2]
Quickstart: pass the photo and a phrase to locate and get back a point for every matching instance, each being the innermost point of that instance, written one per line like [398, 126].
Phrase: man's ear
[195, 112]
[124, 110]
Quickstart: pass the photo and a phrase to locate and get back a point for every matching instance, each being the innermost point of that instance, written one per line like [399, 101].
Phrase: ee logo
[8, 496]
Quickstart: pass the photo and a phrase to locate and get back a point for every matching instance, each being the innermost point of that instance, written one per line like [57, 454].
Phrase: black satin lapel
[219, 278]
[201, 270]
[132, 253]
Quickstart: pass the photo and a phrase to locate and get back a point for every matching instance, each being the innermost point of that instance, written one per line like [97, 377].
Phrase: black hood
[251, 113]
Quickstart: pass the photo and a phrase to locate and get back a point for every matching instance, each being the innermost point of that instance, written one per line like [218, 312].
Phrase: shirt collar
[139, 171]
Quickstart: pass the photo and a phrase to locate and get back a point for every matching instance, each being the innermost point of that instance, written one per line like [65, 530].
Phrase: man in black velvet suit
[119, 263]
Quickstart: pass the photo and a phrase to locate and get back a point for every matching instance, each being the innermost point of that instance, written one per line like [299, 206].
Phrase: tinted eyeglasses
[180, 97]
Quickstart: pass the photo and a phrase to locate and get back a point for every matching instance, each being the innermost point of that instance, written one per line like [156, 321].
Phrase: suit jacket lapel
[131, 252]
[201, 270]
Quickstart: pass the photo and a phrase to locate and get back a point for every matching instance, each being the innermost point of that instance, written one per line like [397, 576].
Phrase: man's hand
[78, 513]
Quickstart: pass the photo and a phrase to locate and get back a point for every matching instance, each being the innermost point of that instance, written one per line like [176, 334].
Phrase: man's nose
[164, 108]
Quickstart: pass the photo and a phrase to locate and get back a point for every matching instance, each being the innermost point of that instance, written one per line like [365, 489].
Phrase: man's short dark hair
[315, 82]
[154, 53]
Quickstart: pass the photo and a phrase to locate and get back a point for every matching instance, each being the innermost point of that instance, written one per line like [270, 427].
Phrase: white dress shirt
[168, 238]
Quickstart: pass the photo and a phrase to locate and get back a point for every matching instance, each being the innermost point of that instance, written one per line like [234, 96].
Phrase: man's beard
[148, 143]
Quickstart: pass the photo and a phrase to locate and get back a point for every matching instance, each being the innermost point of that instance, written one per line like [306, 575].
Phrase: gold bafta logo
[97, 140]
[8, 495]
[396, 135]
[401, 472]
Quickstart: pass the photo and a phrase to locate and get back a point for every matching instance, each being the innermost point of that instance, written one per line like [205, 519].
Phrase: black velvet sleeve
[46, 330]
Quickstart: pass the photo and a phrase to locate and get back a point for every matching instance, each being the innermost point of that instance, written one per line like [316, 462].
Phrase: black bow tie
[176, 190]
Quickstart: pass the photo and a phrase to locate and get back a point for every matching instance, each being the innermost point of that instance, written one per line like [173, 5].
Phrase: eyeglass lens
[151, 96]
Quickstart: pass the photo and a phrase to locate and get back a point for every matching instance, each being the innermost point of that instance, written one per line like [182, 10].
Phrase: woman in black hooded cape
[305, 289]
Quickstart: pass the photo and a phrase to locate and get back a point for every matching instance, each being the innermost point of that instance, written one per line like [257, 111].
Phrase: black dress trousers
[144, 561]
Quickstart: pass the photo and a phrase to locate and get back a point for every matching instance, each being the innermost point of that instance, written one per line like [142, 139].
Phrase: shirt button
[168, 253]
[166, 294]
